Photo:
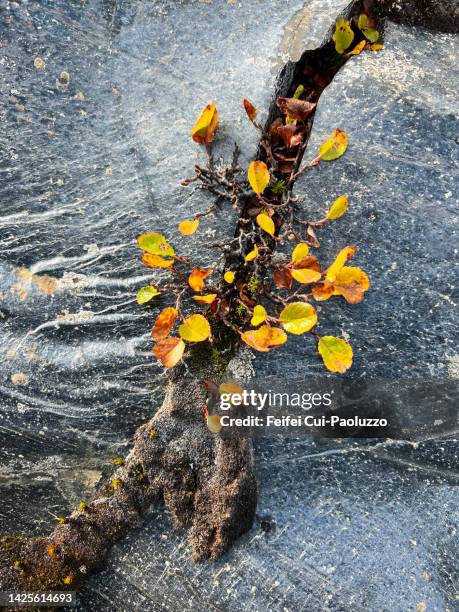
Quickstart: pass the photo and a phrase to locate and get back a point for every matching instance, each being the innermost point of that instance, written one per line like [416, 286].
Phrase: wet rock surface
[92, 161]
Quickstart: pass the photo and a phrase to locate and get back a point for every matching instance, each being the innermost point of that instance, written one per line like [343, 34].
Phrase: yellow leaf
[206, 125]
[338, 208]
[196, 278]
[164, 323]
[357, 49]
[195, 329]
[250, 110]
[343, 35]
[343, 256]
[264, 338]
[145, 294]
[169, 351]
[300, 252]
[156, 244]
[229, 277]
[231, 388]
[305, 276]
[205, 299]
[298, 318]
[266, 223]
[259, 316]
[351, 283]
[253, 253]
[188, 228]
[305, 270]
[336, 353]
[213, 423]
[335, 146]
[258, 176]
[376, 47]
[156, 261]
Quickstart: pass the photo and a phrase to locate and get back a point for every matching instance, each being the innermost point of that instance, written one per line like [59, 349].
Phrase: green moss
[240, 310]
[253, 284]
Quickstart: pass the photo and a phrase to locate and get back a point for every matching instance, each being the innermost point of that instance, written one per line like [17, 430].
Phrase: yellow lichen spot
[116, 484]
[51, 550]
[82, 505]
[39, 63]
[68, 579]
[153, 433]
[17, 564]
[118, 461]
[229, 277]
[61, 520]
[19, 378]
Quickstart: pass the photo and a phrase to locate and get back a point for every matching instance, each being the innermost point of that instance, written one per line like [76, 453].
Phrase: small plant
[260, 298]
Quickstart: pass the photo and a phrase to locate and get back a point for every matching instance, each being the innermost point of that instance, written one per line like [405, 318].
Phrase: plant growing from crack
[207, 483]
[251, 294]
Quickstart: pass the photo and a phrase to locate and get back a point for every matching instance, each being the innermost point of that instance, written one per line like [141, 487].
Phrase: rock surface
[90, 164]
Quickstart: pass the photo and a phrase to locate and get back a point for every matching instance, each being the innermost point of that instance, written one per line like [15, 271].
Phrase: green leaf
[362, 22]
[370, 34]
[145, 294]
[298, 318]
[343, 35]
[156, 244]
[299, 91]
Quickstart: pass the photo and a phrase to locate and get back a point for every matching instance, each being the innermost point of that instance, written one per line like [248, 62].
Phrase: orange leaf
[357, 49]
[156, 261]
[196, 278]
[322, 292]
[351, 283]
[164, 323]
[169, 351]
[188, 228]
[250, 110]
[205, 299]
[264, 338]
[206, 125]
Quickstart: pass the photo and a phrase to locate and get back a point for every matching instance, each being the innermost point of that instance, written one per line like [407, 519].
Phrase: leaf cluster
[260, 297]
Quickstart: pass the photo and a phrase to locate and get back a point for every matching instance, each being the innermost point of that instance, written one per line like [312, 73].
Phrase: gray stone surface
[401, 174]
[352, 525]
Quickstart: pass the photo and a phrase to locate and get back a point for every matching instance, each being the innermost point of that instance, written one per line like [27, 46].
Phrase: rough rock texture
[400, 173]
[205, 482]
[343, 526]
[87, 167]
[440, 15]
